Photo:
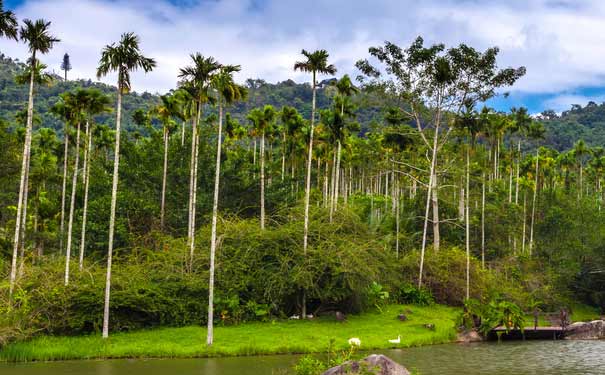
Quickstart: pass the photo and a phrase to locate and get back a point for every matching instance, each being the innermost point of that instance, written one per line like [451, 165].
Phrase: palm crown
[8, 23]
[124, 58]
[316, 62]
[36, 35]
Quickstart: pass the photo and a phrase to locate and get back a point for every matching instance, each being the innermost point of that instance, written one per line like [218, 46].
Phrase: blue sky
[561, 42]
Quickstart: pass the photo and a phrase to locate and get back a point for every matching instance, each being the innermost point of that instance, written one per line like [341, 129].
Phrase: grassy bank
[277, 337]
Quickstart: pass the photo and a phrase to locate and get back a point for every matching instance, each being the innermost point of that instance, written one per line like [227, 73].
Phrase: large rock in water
[594, 330]
[376, 364]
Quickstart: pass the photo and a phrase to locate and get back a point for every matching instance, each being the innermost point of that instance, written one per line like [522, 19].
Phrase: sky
[561, 42]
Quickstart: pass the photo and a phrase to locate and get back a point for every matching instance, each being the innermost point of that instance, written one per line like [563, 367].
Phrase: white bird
[396, 341]
[354, 341]
[295, 317]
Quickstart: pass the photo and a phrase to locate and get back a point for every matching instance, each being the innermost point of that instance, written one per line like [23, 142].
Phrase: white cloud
[560, 42]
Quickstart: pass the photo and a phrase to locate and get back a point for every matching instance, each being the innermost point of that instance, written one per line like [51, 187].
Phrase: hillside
[14, 98]
[587, 123]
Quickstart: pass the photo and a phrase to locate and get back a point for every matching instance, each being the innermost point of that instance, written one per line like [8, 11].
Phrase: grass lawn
[277, 337]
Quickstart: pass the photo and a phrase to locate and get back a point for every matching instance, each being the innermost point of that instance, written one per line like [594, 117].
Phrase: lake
[519, 358]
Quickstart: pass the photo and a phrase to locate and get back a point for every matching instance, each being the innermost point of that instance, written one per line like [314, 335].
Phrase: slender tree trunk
[483, 221]
[87, 152]
[517, 177]
[283, 159]
[72, 204]
[337, 183]
[191, 175]
[193, 187]
[24, 219]
[24, 176]
[533, 207]
[435, 204]
[183, 134]
[64, 187]
[262, 180]
[217, 175]
[332, 184]
[431, 185]
[468, 226]
[308, 191]
[164, 174]
[112, 217]
[524, 221]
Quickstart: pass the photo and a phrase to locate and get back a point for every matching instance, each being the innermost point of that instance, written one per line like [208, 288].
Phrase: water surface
[519, 358]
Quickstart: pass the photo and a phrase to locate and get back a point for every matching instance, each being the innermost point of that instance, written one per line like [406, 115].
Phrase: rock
[594, 330]
[402, 317]
[430, 326]
[376, 364]
[340, 316]
[469, 336]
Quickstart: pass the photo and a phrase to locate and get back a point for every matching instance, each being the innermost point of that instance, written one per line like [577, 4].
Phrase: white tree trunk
[72, 204]
[533, 207]
[164, 174]
[337, 182]
[64, 186]
[112, 216]
[23, 179]
[217, 175]
[308, 191]
[483, 221]
[467, 227]
[428, 204]
[87, 152]
[262, 180]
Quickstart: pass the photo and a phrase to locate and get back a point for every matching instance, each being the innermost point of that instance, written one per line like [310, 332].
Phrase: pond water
[519, 358]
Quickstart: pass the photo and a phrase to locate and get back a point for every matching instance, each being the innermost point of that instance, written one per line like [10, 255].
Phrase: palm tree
[345, 90]
[36, 35]
[196, 80]
[41, 78]
[314, 63]
[227, 91]
[75, 103]
[165, 111]
[97, 103]
[8, 23]
[122, 58]
[262, 120]
[580, 152]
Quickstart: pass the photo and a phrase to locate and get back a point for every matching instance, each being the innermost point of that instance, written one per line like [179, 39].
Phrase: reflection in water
[519, 358]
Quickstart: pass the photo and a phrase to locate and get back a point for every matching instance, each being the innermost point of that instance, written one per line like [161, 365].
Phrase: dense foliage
[512, 219]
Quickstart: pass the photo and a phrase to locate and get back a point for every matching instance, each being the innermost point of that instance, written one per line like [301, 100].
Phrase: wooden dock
[530, 333]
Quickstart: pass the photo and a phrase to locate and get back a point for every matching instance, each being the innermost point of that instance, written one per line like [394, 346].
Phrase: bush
[408, 293]
[260, 274]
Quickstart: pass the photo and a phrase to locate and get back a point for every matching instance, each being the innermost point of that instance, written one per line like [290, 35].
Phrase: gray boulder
[467, 337]
[376, 364]
[594, 330]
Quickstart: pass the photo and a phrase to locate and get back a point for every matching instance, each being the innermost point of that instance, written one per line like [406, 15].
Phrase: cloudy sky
[561, 42]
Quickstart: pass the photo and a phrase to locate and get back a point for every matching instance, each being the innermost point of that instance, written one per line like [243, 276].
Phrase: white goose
[396, 341]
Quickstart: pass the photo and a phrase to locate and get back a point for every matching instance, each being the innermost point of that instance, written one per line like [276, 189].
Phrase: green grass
[584, 313]
[277, 337]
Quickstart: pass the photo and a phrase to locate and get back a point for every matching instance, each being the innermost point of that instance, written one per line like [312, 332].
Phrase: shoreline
[284, 337]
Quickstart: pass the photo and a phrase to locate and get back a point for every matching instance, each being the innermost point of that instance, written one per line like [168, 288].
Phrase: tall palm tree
[122, 58]
[196, 79]
[165, 111]
[76, 103]
[41, 78]
[8, 23]
[36, 35]
[227, 91]
[97, 103]
[262, 119]
[314, 63]
[345, 89]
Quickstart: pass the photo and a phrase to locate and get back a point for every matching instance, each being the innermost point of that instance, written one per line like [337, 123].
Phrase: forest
[223, 202]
